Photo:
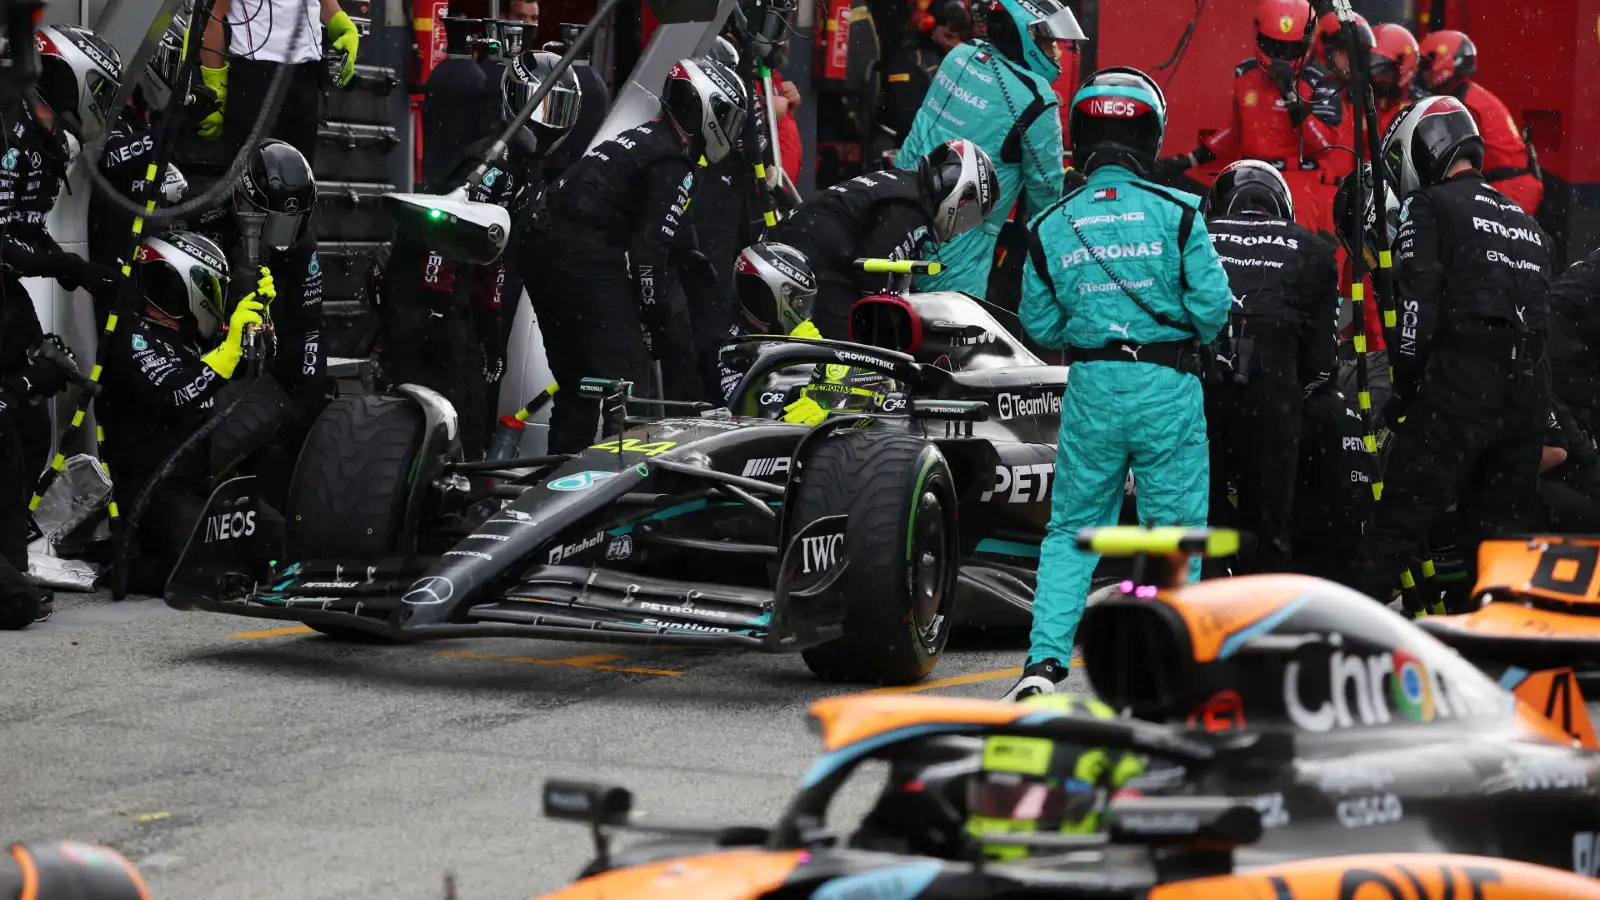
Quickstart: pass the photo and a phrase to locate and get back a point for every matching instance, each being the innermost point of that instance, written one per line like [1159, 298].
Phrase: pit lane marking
[272, 633]
[955, 680]
[596, 662]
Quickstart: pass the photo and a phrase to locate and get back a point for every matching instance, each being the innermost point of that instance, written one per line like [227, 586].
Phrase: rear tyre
[352, 484]
[901, 540]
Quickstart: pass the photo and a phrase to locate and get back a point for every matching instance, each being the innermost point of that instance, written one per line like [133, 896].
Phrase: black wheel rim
[927, 569]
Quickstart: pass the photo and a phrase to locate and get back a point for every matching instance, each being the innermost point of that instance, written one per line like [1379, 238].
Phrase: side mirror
[589, 802]
[950, 410]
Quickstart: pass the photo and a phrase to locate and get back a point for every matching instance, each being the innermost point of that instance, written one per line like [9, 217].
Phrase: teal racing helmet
[1032, 784]
[1119, 115]
[1027, 32]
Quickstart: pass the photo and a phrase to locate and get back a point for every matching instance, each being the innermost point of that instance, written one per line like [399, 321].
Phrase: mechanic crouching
[776, 289]
[599, 259]
[1122, 273]
[1471, 386]
[898, 214]
[442, 319]
[163, 373]
[1277, 348]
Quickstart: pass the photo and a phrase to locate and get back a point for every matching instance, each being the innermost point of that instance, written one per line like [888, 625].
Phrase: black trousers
[589, 317]
[1254, 432]
[24, 446]
[299, 116]
[441, 352]
[1471, 437]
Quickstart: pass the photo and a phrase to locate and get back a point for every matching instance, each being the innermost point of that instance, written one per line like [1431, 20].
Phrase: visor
[558, 109]
[208, 288]
[726, 120]
[1031, 801]
[281, 230]
[1060, 25]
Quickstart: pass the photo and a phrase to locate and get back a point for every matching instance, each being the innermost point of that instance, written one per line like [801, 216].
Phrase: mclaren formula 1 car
[713, 527]
[1283, 719]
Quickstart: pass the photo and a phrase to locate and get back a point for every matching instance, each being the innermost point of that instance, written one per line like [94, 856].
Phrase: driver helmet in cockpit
[844, 389]
[1033, 784]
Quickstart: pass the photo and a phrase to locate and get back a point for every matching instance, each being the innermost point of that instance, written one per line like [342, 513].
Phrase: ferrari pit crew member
[1446, 66]
[442, 320]
[1030, 785]
[599, 262]
[1393, 70]
[1282, 113]
[163, 374]
[1278, 347]
[1471, 387]
[1332, 49]
[898, 214]
[997, 94]
[1122, 273]
[909, 72]
[276, 182]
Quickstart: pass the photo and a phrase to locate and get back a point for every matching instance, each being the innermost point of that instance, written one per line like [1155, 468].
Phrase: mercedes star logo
[430, 591]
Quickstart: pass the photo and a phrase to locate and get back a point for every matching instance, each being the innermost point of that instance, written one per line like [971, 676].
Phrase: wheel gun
[55, 350]
[257, 338]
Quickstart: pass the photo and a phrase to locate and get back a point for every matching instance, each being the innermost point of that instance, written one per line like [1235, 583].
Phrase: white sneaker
[1039, 678]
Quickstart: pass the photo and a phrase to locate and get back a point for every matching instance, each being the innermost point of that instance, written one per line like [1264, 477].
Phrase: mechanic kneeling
[442, 319]
[163, 374]
[899, 214]
[1276, 349]
[599, 259]
[1471, 385]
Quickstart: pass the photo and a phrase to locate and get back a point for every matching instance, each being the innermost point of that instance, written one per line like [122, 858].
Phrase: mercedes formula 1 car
[714, 527]
[1284, 719]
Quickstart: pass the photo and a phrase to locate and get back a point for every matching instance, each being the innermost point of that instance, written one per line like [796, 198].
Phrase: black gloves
[1394, 410]
[1293, 104]
[1169, 167]
[44, 377]
[1071, 180]
[72, 271]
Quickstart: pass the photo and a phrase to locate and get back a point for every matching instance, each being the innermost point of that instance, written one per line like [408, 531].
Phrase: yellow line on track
[955, 680]
[272, 633]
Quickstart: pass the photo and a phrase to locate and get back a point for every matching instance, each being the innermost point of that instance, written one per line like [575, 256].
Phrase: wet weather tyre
[351, 485]
[900, 586]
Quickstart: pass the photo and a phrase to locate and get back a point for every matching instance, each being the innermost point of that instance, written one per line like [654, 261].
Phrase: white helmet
[961, 186]
[79, 76]
[706, 101]
[184, 276]
[1426, 139]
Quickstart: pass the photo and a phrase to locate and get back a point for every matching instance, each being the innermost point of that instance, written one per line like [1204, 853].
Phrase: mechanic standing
[909, 72]
[596, 105]
[1333, 498]
[1449, 60]
[1393, 71]
[1283, 113]
[599, 260]
[1122, 273]
[442, 320]
[1575, 340]
[898, 214]
[1278, 346]
[163, 374]
[1471, 385]
[997, 93]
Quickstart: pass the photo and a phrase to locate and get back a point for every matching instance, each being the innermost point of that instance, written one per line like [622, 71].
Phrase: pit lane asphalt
[233, 758]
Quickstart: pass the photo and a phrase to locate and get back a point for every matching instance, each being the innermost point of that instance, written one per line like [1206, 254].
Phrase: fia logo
[820, 553]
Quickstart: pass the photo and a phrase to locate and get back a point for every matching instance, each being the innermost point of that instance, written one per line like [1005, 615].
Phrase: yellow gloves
[345, 40]
[806, 330]
[216, 80]
[225, 358]
[805, 411]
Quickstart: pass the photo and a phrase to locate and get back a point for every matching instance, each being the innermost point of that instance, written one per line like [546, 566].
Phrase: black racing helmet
[1250, 186]
[767, 22]
[556, 113]
[79, 76]
[776, 287]
[1369, 218]
[706, 101]
[1426, 139]
[277, 181]
[185, 277]
[1119, 115]
[961, 185]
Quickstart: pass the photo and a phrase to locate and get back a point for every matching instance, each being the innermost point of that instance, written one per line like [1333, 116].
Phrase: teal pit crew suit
[1119, 415]
[1010, 112]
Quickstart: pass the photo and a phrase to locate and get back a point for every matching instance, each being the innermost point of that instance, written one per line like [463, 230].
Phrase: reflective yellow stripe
[1365, 399]
[1377, 491]
[111, 508]
[761, 171]
[1357, 292]
[111, 319]
[1360, 340]
[1388, 318]
[1372, 443]
[1428, 571]
[94, 373]
[77, 419]
[1385, 260]
[34, 503]
[59, 462]
[1406, 581]
[771, 219]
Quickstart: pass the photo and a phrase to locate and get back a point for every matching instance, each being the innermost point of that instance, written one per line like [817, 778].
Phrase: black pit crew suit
[1278, 346]
[906, 78]
[24, 444]
[718, 230]
[880, 215]
[1333, 496]
[1574, 348]
[1471, 387]
[128, 154]
[1570, 492]
[599, 264]
[442, 323]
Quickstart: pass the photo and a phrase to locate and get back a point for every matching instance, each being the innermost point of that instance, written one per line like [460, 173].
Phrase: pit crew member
[1448, 61]
[1277, 348]
[599, 264]
[897, 214]
[1471, 387]
[909, 71]
[1123, 274]
[997, 93]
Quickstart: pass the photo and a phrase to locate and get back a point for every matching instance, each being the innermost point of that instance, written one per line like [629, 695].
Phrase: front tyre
[900, 496]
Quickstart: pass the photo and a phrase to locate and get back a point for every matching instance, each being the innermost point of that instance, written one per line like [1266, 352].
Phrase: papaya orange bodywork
[734, 875]
[1216, 610]
[1390, 876]
[855, 717]
[1513, 566]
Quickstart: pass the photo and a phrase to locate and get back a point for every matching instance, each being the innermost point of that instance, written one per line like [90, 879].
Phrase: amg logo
[567, 551]
[820, 553]
[227, 526]
[761, 468]
[1133, 216]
